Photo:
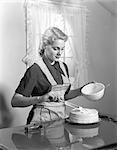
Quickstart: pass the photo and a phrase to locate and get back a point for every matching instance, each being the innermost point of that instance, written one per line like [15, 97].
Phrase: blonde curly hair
[49, 36]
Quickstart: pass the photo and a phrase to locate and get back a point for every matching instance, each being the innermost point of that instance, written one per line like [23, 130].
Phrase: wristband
[39, 98]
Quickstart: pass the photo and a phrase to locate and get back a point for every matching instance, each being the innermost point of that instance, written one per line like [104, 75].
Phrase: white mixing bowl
[93, 91]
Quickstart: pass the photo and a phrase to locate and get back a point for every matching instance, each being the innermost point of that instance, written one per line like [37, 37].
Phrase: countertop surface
[61, 135]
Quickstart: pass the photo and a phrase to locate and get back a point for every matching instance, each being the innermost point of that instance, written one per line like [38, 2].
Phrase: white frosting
[84, 115]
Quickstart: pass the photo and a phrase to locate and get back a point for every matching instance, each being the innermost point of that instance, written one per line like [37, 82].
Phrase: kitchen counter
[61, 135]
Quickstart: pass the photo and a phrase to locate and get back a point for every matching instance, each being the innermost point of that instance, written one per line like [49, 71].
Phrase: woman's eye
[55, 48]
[62, 49]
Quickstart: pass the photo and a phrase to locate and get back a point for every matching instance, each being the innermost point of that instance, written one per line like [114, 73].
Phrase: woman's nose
[59, 52]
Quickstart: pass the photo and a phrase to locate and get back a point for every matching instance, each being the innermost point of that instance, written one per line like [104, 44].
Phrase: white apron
[47, 111]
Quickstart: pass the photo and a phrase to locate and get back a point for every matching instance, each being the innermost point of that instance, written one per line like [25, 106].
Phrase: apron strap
[46, 71]
[49, 76]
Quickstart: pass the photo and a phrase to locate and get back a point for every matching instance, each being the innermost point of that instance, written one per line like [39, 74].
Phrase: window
[39, 15]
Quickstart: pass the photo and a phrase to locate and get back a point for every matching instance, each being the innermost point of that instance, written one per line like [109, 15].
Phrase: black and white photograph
[58, 71]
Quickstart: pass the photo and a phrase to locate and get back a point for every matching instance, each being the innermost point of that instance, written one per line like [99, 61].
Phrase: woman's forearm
[73, 94]
[19, 100]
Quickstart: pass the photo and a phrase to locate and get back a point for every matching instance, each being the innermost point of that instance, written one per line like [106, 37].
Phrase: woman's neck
[49, 60]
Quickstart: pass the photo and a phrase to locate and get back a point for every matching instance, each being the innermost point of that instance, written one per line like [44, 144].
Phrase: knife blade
[67, 103]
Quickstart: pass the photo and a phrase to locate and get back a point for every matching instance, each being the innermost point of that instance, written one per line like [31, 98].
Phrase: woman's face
[53, 52]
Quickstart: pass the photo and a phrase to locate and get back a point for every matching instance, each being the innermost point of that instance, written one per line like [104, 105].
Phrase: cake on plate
[84, 115]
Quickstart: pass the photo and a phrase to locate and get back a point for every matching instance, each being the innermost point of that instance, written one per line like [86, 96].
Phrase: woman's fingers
[53, 96]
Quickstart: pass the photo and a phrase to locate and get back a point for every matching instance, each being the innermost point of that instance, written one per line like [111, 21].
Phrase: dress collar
[55, 64]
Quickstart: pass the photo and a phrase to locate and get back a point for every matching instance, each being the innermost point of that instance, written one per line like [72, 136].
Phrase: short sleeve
[27, 83]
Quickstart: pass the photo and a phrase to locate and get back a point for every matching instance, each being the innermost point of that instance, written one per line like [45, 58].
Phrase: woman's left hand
[85, 85]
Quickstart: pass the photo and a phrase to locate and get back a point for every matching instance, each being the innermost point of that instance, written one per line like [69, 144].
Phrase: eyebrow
[59, 47]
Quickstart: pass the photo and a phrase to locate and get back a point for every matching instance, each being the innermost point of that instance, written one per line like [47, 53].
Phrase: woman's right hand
[49, 97]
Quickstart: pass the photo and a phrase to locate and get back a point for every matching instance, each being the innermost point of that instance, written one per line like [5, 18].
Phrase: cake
[84, 115]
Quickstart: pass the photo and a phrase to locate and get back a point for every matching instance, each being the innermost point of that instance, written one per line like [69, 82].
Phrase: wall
[101, 47]
[102, 52]
[12, 50]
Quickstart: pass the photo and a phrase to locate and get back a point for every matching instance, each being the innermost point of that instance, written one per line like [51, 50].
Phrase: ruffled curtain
[40, 15]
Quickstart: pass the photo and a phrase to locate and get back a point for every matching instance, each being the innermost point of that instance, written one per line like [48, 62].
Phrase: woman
[45, 85]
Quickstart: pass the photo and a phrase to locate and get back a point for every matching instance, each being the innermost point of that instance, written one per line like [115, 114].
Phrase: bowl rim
[91, 94]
